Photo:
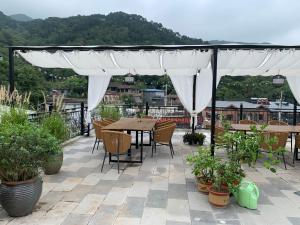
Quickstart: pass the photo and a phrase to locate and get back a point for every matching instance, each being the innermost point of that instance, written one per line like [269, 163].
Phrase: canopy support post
[194, 102]
[213, 100]
[241, 111]
[295, 112]
[11, 75]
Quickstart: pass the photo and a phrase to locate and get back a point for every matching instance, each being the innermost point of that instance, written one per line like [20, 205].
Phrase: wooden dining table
[133, 124]
[270, 128]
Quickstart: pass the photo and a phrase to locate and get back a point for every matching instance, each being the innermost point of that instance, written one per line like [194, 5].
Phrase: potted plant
[203, 168]
[199, 138]
[21, 158]
[188, 138]
[227, 179]
[56, 126]
[194, 138]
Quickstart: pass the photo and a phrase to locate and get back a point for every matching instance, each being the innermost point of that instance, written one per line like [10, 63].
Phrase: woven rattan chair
[147, 117]
[108, 120]
[163, 123]
[116, 144]
[281, 143]
[163, 136]
[219, 132]
[282, 123]
[247, 122]
[98, 134]
[277, 122]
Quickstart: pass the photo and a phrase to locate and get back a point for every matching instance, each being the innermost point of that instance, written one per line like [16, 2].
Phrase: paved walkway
[159, 192]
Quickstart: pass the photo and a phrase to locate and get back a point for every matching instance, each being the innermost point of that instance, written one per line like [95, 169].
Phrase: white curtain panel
[294, 83]
[184, 88]
[96, 89]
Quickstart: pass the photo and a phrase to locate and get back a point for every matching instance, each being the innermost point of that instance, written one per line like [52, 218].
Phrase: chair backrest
[297, 141]
[164, 133]
[147, 117]
[108, 120]
[219, 132]
[116, 142]
[281, 138]
[247, 122]
[164, 123]
[98, 130]
[277, 122]
[104, 123]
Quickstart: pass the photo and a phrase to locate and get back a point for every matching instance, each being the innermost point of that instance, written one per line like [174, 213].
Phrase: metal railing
[75, 118]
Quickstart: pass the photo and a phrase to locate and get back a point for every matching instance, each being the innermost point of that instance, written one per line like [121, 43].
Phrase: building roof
[273, 106]
[236, 104]
[152, 90]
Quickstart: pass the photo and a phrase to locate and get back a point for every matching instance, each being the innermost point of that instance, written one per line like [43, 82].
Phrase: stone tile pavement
[161, 191]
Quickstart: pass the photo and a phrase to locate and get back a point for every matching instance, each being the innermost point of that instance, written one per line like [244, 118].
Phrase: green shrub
[55, 124]
[109, 112]
[14, 116]
[194, 138]
[24, 150]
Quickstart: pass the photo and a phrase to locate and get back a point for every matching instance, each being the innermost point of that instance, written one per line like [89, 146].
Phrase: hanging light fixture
[278, 80]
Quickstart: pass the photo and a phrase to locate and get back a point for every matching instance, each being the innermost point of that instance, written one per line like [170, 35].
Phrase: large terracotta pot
[19, 198]
[218, 199]
[54, 163]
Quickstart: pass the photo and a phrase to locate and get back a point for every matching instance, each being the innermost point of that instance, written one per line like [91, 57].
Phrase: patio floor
[160, 191]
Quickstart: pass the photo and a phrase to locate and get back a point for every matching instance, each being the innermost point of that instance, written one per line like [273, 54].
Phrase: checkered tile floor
[161, 191]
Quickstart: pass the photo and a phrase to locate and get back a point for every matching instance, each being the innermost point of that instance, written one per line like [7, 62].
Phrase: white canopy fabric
[96, 90]
[101, 65]
[180, 65]
[156, 62]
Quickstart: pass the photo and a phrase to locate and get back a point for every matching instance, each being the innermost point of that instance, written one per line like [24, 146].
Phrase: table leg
[129, 150]
[142, 146]
[136, 139]
[109, 158]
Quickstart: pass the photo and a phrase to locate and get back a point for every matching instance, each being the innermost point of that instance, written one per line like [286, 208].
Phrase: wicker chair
[247, 122]
[147, 117]
[163, 124]
[108, 120]
[116, 144]
[277, 122]
[98, 134]
[163, 136]
[281, 143]
[219, 132]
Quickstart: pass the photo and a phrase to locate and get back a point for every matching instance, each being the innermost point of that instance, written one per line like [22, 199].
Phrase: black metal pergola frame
[214, 61]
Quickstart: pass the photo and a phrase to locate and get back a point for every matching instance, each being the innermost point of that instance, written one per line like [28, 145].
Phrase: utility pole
[166, 94]
[280, 106]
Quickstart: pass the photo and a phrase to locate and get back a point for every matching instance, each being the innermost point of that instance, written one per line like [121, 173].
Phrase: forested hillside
[112, 29]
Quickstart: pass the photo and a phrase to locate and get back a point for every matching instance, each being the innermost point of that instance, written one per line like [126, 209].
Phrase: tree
[76, 85]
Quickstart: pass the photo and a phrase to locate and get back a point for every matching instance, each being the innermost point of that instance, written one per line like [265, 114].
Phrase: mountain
[113, 29]
[222, 42]
[21, 17]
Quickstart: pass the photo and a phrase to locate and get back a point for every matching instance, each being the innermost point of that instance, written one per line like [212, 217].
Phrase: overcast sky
[275, 21]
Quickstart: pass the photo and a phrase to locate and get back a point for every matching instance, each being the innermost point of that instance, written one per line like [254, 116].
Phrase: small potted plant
[203, 168]
[227, 179]
[22, 155]
[194, 138]
[56, 126]
[188, 138]
[199, 138]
